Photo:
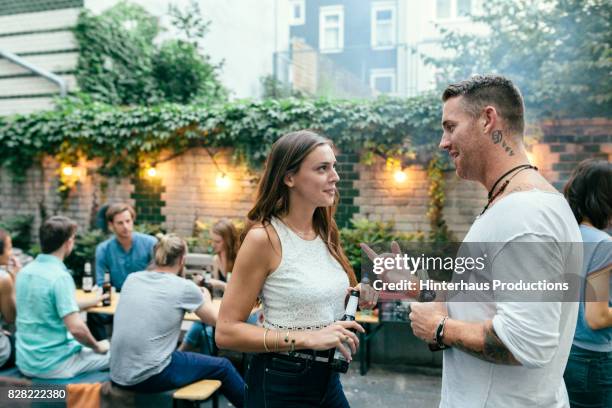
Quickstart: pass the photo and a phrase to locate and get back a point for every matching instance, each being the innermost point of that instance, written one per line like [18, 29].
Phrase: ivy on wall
[439, 229]
[127, 139]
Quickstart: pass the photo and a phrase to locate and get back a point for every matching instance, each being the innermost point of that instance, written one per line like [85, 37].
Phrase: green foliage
[371, 233]
[115, 55]
[185, 76]
[84, 250]
[126, 138]
[149, 229]
[556, 51]
[275, 89]
[20, 229]
[439, 230]
[120, 64]
[189, 22]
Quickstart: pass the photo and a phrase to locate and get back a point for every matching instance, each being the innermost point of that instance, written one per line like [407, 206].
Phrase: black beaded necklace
[491, 197]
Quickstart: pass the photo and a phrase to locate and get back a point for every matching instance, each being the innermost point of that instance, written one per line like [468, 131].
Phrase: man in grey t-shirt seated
[147, 327]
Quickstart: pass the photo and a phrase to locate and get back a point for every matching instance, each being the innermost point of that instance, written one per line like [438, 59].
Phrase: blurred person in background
[588, 375]
[9, 267]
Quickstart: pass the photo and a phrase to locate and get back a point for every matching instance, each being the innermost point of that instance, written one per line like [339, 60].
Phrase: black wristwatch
[439, 337]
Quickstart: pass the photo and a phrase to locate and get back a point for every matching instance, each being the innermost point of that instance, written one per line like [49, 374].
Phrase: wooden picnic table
[81, 295]
[367, 320]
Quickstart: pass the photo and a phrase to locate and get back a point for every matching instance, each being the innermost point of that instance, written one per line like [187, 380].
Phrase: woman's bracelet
[276, 341]
[265, 345]
[289, 342]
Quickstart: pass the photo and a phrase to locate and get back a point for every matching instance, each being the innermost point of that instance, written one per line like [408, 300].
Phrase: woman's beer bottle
[339, 362]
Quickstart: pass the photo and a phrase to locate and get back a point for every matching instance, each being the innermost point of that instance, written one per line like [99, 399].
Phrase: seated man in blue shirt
[125, 252]
[50, 332]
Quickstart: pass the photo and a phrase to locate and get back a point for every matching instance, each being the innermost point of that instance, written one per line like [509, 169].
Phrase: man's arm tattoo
[494, 351]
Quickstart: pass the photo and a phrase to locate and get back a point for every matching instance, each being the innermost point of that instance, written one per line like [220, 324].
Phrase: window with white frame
[383, 24]
[463, 8]
[382, 81]
[296, 12]
[448, 9]
[331, 29]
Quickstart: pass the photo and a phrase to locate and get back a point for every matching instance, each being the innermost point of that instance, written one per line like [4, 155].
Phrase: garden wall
[185, 187]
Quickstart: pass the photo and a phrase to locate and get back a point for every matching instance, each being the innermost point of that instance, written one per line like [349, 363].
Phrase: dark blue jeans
[588, 378]
[96, 322]
[11, 360]
[280, 381]
[186, 368]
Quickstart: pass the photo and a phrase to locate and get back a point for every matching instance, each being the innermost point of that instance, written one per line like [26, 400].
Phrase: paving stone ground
[388, 387]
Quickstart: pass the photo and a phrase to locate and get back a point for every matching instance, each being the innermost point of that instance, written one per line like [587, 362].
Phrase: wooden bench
[198, 392]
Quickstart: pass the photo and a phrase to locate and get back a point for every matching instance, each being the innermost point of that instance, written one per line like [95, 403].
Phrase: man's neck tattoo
[497, 138]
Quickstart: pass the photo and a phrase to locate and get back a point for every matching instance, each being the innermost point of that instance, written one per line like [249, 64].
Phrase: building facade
[368, 47]
[38, 33]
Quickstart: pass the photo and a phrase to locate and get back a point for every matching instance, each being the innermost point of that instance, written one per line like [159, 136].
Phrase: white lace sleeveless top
[308, 288]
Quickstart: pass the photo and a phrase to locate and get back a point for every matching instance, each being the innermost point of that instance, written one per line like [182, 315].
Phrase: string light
[222, 181]
[400, 176]
[67, 171]
[152, 172]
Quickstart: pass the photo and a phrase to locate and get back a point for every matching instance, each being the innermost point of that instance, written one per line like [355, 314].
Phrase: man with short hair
[502, 348]
[52, 340]
[508, 353]
[125, 252]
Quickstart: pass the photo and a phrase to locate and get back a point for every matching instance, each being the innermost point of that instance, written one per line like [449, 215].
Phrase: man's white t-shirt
[539, 334]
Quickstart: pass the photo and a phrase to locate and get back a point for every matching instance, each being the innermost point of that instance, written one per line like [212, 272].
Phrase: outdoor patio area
[388, 386]
[408, 190]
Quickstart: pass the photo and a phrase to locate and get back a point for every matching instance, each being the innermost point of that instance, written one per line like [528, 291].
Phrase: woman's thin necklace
[302, 234]
[491, 197]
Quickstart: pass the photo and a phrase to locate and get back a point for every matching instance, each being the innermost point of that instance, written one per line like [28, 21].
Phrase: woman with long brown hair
[291, 258]
[225, 242]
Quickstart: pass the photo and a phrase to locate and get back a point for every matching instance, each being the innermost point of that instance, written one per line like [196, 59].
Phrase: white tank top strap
[307, 289]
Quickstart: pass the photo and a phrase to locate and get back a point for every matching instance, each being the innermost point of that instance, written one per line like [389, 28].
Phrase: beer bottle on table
[87, 278]
[339, 362]
[106, 288]
[206, 282]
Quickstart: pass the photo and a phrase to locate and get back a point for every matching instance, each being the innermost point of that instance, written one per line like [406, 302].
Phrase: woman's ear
[289, 180]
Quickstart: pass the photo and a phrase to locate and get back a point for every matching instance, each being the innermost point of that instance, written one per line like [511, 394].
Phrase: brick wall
[381, 198]
[38, 195]
[192, 193]
[565, 143]
[185, 187]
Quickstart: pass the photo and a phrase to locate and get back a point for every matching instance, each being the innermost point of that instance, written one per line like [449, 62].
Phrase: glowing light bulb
[152, 172]
[400, 176]
[222, 181]
[67, 171]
